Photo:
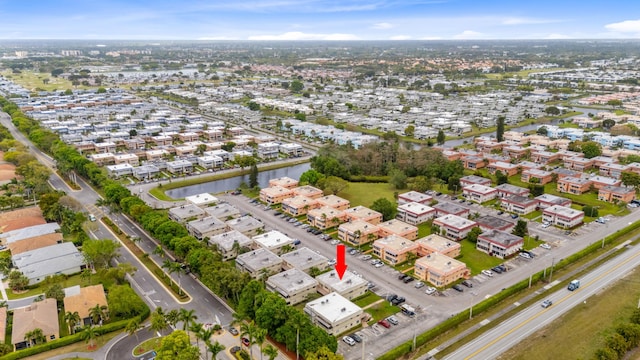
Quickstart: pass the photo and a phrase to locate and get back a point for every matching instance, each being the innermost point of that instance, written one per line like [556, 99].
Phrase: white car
[332, 262]
[349, 340]
[525, 255]
[488, 273]
[335, 242]
[366, 257]
[379, 264]
[545, 225]
[419, 284]
[430, 290]
[545, 246]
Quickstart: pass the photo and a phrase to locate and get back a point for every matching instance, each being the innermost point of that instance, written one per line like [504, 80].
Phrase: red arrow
[341, 264]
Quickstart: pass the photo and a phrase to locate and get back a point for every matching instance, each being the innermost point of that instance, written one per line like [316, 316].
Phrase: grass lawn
[31, 80]
[76, 347]
[382, 310]
[359, 193]
[424, 229]
[576, 332]
[145, 347]
[366, 299]
[476, 260]
[70, 281]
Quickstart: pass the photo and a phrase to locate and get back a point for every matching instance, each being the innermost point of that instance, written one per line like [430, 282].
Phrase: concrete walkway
[3, 291]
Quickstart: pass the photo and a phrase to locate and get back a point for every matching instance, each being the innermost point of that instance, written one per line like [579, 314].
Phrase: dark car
[467, 283]
[235, 349]
[277, 213]
[402, 277]
[236, 192]
[384, 323]
[356, 337]
[408, 279]
[497, 269]
[500, 212]
[398, 300]
[233, 331]
[457, 288]
[502, 267]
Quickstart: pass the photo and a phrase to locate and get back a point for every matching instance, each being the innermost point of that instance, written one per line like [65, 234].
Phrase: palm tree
[205, 334]
[72, 319]
[261, 337]
[173, 317]
[297, 321]
[250, 330]
[215, 348]
[187, 317]
[97, 313]
[86, 274]
[89, 334]
[158, 320]
[132, 327]
[35, 336]
[271, 351]
[197, 327]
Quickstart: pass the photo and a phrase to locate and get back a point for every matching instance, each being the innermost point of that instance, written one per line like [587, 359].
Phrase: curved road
[510, 332]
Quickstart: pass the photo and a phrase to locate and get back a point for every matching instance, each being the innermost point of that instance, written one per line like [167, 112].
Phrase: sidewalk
[99, 354]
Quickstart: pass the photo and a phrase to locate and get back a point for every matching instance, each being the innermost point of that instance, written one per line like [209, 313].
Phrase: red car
[384, 323]
[245, 341]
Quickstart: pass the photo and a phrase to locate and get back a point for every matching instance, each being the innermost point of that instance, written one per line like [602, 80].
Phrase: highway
[531, 319]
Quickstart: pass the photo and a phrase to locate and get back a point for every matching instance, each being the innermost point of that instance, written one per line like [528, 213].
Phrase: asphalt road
[510, 332]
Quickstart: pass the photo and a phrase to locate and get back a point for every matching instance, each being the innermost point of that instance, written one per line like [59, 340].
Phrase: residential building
[415, 213]
[102, 159]
[210, 162]
[536, 176]
[358, 232]
[453, 226]
[185, 213]
[505, 190]
[81, 300]
[259, 263]
[474, 180]
[499, 243]
[578, 163]
[393, 249]
[230, 242]
[291, 149]
[479, 193]
[547, 200]
[561, 216]
[613, 170]
[414, 197]
[365, 214]
[275, 194]
[602, 181]
[145, 172]
[304, 259]
[247, 225]
[298, 205]
[293, 285]
[440, 270]
[520, 205]
[616, 194]
[206, 227]
[308, 191]
[334, 314]
[436, 243]
[473, 163]
[33, 243]
[179, 167]
[41, 315]
[577, 186]
[333, 201]
[285, 182]
[325, 217]
[51, 260]
[351, 286]
[397, 227]
[504, 167]
[273, 240]
[488, 222]
[446, 208]
[118, 170]
[223, 211]
[203, 199]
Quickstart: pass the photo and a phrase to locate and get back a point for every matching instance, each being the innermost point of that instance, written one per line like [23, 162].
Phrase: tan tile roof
[39, 315]
[34, 243]
[89, 297]
[21, 218]
[3, 320]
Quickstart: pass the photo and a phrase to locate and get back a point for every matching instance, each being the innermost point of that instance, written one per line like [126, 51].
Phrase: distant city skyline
[319, 20]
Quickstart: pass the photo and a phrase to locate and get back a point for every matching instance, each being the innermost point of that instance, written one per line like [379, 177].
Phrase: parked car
[384, 323]
[390, 297]
[356, 337]
[277, 213]
[500, 212]
[408, 279]
[236, 192]
[398, 300]
[525, 256]
[496, 269]
[335, 242]
[467, 283]
[457, 288]
[402, 276]
[349, 340]
[379, 264]
[366, 257]
[394, 320]
[332, 262]
[245, 341]
[488, 273]
[545, 304]
[235, 349]
[545, 246]
[418, 285]
[430, 290]
[233, 331]
[502, 267]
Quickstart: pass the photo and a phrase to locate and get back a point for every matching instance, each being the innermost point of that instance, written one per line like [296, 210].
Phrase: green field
[366, 193]
[583, 330]
[32, 81]
[476, 260]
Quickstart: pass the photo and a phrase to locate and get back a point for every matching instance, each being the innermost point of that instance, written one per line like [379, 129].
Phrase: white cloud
[467, 34]
[382, 26]
[296, 35]
[557, 36]
[526, 21]
[430, 38]
[213, 38]
[400, 37]
[627, 26]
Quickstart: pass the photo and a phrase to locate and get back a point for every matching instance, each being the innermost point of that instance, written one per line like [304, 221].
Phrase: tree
[72, 319]
[35, 336]
[249, 330]
[608, 123]
[310, 177]
[618, 344]
[261, 337]
[520, 229]
[18, 281]
[296, 86]
[630, 179]
[542, 130]
[228, 146]
[55, 291]
[196, 328]
[97, 313]
[271, 351]
[204, 334]
[187, 317]
[410, 130]
[473, 234]
[398, 179]
[536, 189]
[501, 178]
[253, 176]
[99, 253]
[385, 207]
[630, 332]
[101, 90]
[441, 137]
[132, 327]
[215, 348]
[591, 211]
[173, 317]
[253, 106]
[591, 149]
[552, 110]
[323, 353]
[89, 335]
[158, 321]
[500, 129]
[334, 185]
[124, 302]
[177, 346]
[421, 184]
[614, 102]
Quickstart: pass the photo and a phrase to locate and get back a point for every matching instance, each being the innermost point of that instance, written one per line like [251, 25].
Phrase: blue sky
[318, 19]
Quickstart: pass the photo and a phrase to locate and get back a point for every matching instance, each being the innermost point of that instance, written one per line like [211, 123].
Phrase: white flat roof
[272, 239]
[333, 307]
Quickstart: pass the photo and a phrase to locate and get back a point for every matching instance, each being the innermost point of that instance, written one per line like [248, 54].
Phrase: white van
[92, 218]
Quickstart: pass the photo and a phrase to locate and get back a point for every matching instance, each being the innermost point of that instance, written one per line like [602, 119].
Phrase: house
[415, 213]
[473, 163]
[573, 185]
[293, 285]
[247, 225]
[351, 286]
[334, 313]
[308, 191]
[50, 260]
[274, 241]
[504, 167]
[479, 193]
[285, 182]
[547, 200]
[397, 227]
[440, 270]
[564, 217]
[210, 162]
[601, 181]
[453, 226]
[536, 176]
[488, 222]
[202, 199]
[394, 249]
[325, 217]
[473, 179]
[179, 167]
[304, 259]
[223, 211]
[102, 159]
[259, 263]
[275, 194]
[436, 243]
[41, 315]
[268, 150]
[613, 170]
[446, 208]
[298, 205]
[499, 244]
[563, 173]
[414, 197]
[206, 227]
[154, 155]
[33, 243]
[23, 233]
[616, 194]
[505, 190]
[291, 149]
[363, 213]
[81, 300]
[515, 151]
[116, 171]
[229, 243]
[333, 201]
[520, 205]
[184, 213]
[358, 232]
[578, 163]
[544, 157]
[145, 172]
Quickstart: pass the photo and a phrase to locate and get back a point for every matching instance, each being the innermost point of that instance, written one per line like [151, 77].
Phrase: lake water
[233, 183]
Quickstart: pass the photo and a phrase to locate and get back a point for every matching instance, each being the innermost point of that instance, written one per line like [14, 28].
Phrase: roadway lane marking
[566, 297]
